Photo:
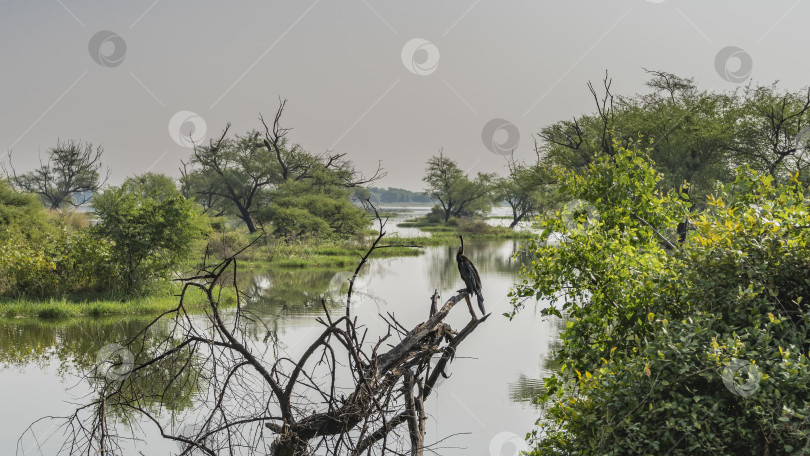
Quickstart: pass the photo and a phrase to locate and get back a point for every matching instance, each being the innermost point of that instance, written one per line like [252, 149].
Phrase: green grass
[314, 255]
[436, 228]
[346, 253]
[447, 233]
[451, 238]
[64, 308]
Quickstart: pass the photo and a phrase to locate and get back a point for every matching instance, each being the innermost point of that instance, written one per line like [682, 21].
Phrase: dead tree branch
[336, 394]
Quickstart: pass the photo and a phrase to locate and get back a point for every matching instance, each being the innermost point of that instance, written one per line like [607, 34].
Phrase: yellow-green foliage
[654, 336]
[60, 263]
[21, 214]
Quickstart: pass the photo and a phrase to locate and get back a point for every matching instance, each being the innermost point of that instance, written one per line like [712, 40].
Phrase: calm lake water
[479, 410]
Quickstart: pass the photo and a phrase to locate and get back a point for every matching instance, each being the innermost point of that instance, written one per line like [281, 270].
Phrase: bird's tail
[481, 302]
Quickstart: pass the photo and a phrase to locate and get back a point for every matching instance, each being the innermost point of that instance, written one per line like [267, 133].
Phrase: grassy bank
[341, 254]
[283, 255]
[308, 254]
[475, 230]
[64, 308]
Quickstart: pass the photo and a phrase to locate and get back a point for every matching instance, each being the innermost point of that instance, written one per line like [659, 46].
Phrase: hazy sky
[389, 81]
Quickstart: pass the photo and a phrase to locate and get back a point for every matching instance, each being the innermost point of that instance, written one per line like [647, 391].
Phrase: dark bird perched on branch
[470, 276]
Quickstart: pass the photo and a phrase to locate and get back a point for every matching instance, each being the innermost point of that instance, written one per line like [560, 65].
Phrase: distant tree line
[392, 195]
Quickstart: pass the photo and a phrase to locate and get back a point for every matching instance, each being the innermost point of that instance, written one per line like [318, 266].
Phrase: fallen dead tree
[343, 395]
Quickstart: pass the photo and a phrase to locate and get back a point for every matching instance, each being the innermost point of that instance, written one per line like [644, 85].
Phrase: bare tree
[604, 108]
[296, 164]
[574, 142]
[343, 395]
[72, 168]
[775, 130]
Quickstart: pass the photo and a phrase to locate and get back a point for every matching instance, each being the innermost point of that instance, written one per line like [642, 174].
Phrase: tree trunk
[289, 446]
[245, 215]
[516, 219]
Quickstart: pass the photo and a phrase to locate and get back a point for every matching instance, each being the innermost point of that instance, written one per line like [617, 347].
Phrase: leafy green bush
[45, 256]
[63, 263]
[699, 349]
[151, 227]
[22, 213]
[294, 222]
[314, 209]
[224, 244]
[473, 226]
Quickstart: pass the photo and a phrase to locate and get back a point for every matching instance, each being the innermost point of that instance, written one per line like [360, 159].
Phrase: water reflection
[527, 390]
[75, 346]
[497, 371]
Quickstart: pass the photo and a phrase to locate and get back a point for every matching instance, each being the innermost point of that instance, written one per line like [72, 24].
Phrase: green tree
[152, 185]
[774, 131]
[458, 195]
[236, 176]
[69, 174]
[230, 175]
[316, 207]
[529, 189]
[692, 135]
[151, 227]
[656, 330]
